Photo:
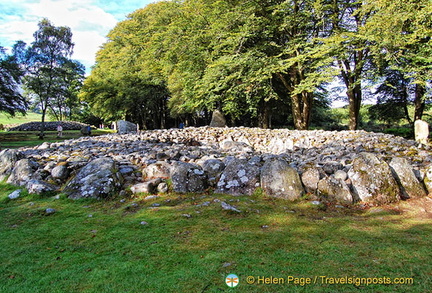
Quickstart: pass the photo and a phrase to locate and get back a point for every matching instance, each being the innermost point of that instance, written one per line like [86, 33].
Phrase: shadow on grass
[188, 243]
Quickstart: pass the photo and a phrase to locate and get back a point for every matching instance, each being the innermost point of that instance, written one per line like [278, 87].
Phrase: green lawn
[101, 246]
[18, 119]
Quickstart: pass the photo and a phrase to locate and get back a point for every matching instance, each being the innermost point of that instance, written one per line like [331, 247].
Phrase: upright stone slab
[187, 177]
[218, 119]
[372, 180]
[124, 127]
[404, 174]
[421, 132]
[280, 180]
[335, 190]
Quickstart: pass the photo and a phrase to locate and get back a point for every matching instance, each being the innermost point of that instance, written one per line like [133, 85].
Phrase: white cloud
[89, 20]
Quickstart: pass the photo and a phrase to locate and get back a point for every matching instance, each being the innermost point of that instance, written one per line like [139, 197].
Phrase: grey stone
[158, 170]
[421, 132]
[188, 178]
[229, 207]
[60, 172]
[310, 179]
[50, 211]
[16, 194]
[218, 119]
[162, 188]
[372, 180]
[239, 178]
[404, 174]
[428, 179]
[8, 158]
[335, 190]
[340, 174]
[280, 180]
[124, 127]
[146, 187]
[23, 171]
[98, 179]
[235, 146]
[213, 169]
[38, 187]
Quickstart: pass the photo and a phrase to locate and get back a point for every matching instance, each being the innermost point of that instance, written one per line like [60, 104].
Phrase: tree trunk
[301, 109]
[354, 99]
[264, 114]
[42, 128]
[419, 103]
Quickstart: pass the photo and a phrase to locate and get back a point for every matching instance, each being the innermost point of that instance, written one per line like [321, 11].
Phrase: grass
[6, 119]
[101, 246]
[17, 139]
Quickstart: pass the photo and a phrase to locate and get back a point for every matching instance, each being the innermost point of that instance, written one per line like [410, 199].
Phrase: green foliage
[11, 100]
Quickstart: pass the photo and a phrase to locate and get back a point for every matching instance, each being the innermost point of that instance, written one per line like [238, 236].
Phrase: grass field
[188, 243]
[18, 119]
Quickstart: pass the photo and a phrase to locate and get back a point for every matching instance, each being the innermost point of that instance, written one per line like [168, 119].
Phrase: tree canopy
[253, 60]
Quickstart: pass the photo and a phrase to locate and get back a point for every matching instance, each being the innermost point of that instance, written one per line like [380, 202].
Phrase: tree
[46, 59]
[403, 42]
[11, 99]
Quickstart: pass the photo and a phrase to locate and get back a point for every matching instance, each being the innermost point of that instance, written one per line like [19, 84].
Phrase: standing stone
[98, 179]
[124, 127]
[404, 174]
[188, 178]
[335, 190]
[421, 132]
[158, 170]
[280, 180]
[218, 119]
[372, 180]
[8, 158]
[239, 178]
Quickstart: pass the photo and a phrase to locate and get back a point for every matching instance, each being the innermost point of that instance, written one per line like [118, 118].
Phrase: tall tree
[403, 41]
[11, 99]
[46, 58]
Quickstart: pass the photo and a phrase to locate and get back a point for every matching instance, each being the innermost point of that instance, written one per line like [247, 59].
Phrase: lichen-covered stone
[335, 190]
[239, 178]
[8, 158]
[98, 179]
[404, 174]
[187, 177]
[280, 180]
[372, 180]
[310, 179]
[23, 171]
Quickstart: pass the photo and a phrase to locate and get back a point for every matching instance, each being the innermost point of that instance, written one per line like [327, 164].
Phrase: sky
[89, 20]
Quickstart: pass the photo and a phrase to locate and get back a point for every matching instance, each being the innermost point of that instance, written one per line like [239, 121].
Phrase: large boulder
[218, 119]
[280, 180]
[98, 179]
[23, 171]
[238, 178]
[404, 174]
[187, 177]
[372, 180]
[8, 158]
[335, 190]
[124, 127]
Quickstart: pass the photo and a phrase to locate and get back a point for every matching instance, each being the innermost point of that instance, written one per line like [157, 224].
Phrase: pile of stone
[341, 167]
[49, 126]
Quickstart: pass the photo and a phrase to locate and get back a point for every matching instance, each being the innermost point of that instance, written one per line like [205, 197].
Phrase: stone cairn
[343, 167]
